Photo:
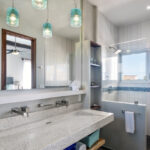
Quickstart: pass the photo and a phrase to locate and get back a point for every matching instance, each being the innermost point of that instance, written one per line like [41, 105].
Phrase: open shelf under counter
[8, 97]
[98, 144]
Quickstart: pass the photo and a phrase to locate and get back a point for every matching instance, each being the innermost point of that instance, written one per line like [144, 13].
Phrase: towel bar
[123, 111]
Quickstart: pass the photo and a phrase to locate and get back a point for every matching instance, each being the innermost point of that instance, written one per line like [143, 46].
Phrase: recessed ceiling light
[148, 7]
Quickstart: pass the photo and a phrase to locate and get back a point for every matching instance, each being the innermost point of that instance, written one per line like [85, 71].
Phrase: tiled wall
[130, 94]
[127, 94]
[115, 133]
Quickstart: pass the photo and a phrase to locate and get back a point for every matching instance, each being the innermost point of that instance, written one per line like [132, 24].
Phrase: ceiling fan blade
[9, 51]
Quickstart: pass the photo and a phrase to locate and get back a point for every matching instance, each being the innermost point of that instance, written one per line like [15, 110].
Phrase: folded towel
[129, 122]
[80, 146]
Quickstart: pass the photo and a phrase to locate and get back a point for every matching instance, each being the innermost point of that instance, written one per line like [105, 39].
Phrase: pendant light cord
[47, 11]
[15, 42]
[75, 3]
[12, 3]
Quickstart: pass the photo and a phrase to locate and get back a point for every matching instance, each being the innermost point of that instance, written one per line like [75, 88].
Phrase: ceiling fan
[13, 51]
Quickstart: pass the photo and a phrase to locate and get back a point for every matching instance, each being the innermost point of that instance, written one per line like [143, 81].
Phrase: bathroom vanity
[38, 109]
[53, 133]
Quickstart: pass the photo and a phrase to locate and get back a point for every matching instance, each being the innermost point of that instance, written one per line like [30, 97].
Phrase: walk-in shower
[126, 72]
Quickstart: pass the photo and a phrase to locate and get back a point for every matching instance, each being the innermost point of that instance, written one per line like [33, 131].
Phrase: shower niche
[95, 73]
[93, 77]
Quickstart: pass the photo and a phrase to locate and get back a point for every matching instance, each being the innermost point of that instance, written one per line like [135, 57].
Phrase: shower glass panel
[126, 74]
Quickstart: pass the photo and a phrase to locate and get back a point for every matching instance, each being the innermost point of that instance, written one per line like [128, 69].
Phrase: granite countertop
[55, 133]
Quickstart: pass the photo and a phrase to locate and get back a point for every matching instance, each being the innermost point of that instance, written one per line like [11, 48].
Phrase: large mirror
[40, 44]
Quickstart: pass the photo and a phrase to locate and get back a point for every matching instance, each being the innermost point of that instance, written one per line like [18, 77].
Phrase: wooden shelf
[95, 65]
[98, 144]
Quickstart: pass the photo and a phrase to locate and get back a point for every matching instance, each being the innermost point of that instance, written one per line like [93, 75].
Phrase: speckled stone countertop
[55, 133]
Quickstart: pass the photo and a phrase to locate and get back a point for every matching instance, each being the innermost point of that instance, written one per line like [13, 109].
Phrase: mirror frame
[4, 61]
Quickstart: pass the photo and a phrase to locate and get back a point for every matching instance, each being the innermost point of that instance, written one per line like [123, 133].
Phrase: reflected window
[57, 75]
[110, 68]
[18, 74]
[134, 66]
[26, 74]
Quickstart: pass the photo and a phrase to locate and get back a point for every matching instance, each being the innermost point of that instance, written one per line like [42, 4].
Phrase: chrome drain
[48, 122]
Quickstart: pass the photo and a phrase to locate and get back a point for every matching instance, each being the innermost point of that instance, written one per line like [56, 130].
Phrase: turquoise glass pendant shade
[76, 18]
[47, 30]
[39, 4]
[12, 18]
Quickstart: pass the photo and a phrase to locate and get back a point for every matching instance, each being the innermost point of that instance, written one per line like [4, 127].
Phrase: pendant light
[39, 4]
[12, 17]
[75, 17]
[15, 51]
[47, 27]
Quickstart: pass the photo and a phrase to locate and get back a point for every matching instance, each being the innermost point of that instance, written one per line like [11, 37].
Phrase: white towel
[129, 122]
[80, 146]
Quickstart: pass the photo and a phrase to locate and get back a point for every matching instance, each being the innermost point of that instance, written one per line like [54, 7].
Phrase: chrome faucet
[24, 111]
[62, 103]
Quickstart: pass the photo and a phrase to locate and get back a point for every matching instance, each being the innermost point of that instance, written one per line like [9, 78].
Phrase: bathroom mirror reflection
[18, 61]
[57, 33]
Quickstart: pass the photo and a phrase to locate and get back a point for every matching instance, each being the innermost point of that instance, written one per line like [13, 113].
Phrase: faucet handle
[25, 110]
[65, 102]
[58, 103]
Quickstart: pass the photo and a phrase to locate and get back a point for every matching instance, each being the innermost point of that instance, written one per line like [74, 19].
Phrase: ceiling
[124, 12]
[119, 12]
[18, 40]
[23, 52]
[135, 46]
[59, 15]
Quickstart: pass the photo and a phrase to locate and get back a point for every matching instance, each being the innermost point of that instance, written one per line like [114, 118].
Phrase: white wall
[107, 32]
[89, 21]
[135, 31]
[57, 61]
[15, 67]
